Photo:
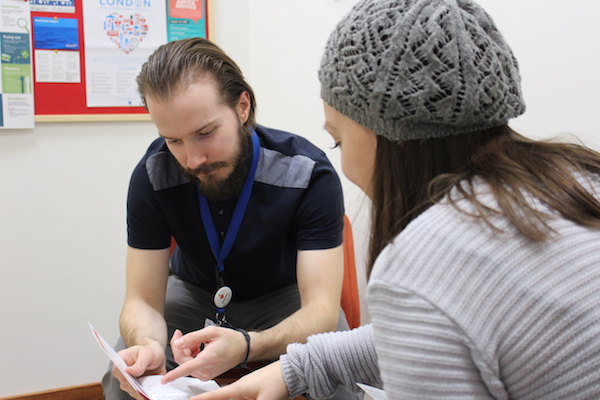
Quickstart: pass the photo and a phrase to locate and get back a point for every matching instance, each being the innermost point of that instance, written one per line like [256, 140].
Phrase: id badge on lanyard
[224, 294]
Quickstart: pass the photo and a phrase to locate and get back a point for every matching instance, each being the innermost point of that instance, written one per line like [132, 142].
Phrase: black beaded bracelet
[247, 336]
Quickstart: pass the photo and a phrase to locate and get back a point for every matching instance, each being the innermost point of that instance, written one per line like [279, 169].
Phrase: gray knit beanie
[419, 69]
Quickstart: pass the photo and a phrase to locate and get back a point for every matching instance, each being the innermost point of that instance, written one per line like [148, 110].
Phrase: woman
[485, 246]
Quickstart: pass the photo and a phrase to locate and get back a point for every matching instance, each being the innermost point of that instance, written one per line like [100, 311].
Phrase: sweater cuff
[296, 386]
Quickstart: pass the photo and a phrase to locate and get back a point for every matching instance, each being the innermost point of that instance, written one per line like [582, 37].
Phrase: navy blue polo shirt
[296, 204]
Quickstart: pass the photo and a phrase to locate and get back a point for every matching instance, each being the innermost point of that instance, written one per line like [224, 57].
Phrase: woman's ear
[243, 107]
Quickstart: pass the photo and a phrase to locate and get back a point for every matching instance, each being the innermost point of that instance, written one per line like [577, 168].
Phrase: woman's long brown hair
[411, 176]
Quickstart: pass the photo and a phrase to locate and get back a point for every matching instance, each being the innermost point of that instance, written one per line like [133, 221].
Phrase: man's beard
[215, 190]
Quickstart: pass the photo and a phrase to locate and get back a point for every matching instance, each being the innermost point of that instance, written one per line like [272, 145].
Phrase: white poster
[53, 6]
[57, 66]
[119, 36]
[16, 84]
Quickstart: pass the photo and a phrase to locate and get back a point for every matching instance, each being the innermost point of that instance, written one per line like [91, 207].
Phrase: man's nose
[195, 156]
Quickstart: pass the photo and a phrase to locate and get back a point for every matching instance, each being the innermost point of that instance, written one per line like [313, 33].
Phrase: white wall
[62, 199]
[62, 246]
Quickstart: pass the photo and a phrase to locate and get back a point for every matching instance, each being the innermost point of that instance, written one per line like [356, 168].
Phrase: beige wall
[63, 185]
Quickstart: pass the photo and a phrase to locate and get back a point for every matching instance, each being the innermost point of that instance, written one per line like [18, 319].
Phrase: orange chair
[350, 301]
[350, 298]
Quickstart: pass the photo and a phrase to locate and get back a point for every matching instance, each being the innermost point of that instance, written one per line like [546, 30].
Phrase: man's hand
[266, 383]
[140, 360]
[224, 349]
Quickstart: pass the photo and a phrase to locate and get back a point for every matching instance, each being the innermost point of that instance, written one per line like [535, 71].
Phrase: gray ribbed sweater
[460, 311]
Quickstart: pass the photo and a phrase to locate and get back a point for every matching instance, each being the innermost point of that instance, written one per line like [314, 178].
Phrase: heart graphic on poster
[126, 32]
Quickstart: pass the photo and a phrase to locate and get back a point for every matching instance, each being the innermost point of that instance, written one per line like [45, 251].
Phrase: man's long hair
[411, 176]
[176, 65]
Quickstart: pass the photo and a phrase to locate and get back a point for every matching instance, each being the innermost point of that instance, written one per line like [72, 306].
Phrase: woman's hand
[266, 383]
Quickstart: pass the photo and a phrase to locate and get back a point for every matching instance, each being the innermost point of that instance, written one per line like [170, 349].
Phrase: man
[257, 215]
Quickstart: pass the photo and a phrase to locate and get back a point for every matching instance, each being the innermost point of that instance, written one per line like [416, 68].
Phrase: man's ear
[243, 107]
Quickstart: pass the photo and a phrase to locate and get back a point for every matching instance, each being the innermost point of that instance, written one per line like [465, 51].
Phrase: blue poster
[15, 48]
[55, 33]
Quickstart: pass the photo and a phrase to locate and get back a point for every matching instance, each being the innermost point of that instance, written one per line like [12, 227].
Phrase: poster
[16, 98]
[186, 18]
[53, 6]
[55, 44]
[56, 33]
[119, 37]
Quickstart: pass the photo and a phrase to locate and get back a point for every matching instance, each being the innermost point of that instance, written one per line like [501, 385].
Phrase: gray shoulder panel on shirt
[274, 168]
[164, 172]
[280, 170]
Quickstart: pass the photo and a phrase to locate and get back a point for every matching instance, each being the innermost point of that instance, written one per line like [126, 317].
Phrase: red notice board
[59, 102]
[67, 101]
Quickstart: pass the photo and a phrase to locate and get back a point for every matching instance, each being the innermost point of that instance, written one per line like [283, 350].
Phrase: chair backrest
[350, 297]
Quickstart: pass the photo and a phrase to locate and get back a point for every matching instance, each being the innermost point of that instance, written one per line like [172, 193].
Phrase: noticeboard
[57, 101]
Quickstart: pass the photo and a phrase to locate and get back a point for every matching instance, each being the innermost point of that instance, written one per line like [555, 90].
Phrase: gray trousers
[187, 307]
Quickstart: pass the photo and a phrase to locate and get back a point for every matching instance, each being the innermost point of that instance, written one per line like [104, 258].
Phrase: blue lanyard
[219, 252]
